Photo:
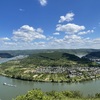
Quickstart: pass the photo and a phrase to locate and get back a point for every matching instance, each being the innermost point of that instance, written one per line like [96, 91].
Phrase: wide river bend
[9, 92]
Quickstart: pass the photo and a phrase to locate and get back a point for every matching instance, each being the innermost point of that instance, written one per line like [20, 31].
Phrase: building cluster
[95, 60]
[71, 71]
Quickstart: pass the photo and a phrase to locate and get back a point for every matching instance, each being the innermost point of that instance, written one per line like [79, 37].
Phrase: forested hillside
[93, 55]
[51, 66]
[29, 52]
[5, 55]
[55, 59]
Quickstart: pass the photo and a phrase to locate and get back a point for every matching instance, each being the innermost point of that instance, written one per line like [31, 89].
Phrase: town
[91, 72]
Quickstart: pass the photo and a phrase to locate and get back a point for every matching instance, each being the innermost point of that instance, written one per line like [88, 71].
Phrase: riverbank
[54, 78]
[88, 87]
[51, 67]
[68, 75]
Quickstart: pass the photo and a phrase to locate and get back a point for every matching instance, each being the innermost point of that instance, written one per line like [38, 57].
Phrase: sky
[49, 24]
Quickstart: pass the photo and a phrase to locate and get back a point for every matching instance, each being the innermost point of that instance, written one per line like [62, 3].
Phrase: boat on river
[9, 85]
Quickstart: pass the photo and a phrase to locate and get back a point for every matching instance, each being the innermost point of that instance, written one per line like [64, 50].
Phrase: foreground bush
[37, 94]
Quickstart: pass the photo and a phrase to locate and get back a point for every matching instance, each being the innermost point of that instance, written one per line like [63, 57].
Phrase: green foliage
[97, 95]
[54, 59]
[34, 95]
[25, 68]
[53, 95]
[37, 94]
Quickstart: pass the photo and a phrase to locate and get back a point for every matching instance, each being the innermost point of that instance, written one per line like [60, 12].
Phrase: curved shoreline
[53, 81]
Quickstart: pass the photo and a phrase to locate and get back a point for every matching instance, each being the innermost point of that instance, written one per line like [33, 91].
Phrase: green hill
[29, 52]
[27, 68]
[54, 59]
[93, 55]
[5, 55]
[56, 56]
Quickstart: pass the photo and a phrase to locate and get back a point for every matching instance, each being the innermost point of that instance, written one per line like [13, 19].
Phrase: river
[9, 92]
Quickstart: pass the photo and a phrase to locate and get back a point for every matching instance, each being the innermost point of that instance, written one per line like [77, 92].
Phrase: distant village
[92, 72]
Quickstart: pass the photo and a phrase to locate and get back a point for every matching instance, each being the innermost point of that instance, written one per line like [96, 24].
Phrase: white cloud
[73, 37]
[58, 40]
[43, 2]
[21, 9]
[68, 17]
[68, 42]
[10, 43]
[96, 41]
[85, 32]
[27, 34]
[56, 33]
[70, 28]
[39, 30]
[4, 39]
[50, 38]
[27, 37]
[39, 44]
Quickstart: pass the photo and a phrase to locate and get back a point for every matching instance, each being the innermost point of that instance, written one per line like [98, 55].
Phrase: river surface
[9, 92]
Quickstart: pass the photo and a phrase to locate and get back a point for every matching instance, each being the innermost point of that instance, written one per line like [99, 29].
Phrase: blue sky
[49, 24]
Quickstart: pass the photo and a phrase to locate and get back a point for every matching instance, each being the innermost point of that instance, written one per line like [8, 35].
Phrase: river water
[9, 92]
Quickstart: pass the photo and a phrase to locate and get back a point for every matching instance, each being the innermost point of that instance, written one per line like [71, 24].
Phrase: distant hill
[5, 55]
[78, 52]
[93, 55]
[55, 56]
[54, 59]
